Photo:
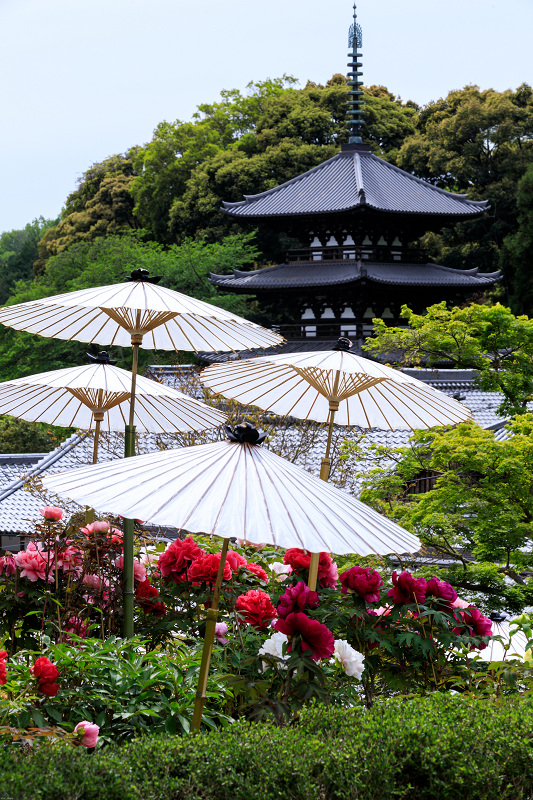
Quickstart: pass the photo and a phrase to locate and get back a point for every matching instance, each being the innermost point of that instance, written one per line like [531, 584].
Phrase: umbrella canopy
[235, 489]
[78, 397]
[163, 319]
[495, 650]
[367, 394]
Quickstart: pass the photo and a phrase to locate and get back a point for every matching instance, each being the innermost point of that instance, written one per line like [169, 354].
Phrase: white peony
[280, 569]
[352, 661]
[274, 647]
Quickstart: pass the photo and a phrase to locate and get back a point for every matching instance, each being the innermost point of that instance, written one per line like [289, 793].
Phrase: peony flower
[297, 598]
[329, 576]
[70, 559]
[280, 570]
[246, 543]
[274, 647]
[256, 608]
[352, 661]
[95, 582]
[89, 732]
[458, 603]
[139, 570]
[34, 565]
[258, 571]
[174, 563]
[363, 582]
[105, 536]
[235, 560]
[76, 625]
[441, 589]
[314, 637]
[146, 594]
[8, 564]
[477, 624]
[300, 560]
[406, 588]
[46, 674]
[51, 513]
[3, 670]
[221, 630]
[205, 569]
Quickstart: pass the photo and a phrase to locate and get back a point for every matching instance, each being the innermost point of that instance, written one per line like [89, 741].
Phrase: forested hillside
[158, 205]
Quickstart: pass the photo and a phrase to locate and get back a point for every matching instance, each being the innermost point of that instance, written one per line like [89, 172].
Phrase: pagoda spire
[355, 113]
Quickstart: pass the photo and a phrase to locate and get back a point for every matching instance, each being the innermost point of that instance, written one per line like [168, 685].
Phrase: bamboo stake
[209, 638]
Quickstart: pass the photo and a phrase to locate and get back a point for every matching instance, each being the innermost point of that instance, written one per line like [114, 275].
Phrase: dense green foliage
[19, 436]
[19, 251]
[446, 747]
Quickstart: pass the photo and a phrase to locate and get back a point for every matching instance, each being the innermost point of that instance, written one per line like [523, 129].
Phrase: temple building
[359, 220]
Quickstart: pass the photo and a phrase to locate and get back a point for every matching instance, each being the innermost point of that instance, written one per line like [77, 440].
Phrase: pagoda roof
[304, 275]
[355, 178]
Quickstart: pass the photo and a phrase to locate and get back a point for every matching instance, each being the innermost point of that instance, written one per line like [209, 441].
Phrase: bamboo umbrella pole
[209, 638]
[325, 467]
[98, 416]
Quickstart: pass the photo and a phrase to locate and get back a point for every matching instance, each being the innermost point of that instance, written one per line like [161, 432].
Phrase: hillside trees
[18, 253]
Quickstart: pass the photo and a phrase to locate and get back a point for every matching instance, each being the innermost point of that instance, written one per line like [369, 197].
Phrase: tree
[19, 436]
[18, 253]
[486, 338]
[481, 506]
[517, 251]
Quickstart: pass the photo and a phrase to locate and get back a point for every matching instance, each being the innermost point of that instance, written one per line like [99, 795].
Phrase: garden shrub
[441, 746]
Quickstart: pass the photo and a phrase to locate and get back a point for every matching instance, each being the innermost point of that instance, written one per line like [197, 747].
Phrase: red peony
[362, 581]
[477, 624]
[406, 588]
[174, 563]
[256, 608]
[314, 637]
[3, 670]
[297, 598]
[205, 569]
[258, 571]
[300, 560]
[145, 594]
[47, 675]
[235, 560]
[441, 589]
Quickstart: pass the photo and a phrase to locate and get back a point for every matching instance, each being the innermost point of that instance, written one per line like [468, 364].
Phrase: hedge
[434, 748]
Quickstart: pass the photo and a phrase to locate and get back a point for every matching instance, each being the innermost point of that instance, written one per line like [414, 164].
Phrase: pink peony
[3, 670]
[8, 564]
[406, 588]
[258, 571]
[221, 630]
[95, 582]
[363, 582]
[51, 513]
[297, 598]
[139, 570]
[477, 624]
[70, 559]
[458, 603]
[103, 535]
[235, 560]
[34, 565]
[441, 589]
[256, 608]
[315, 638]
[175, 562]
[205, 569]
[76, 625]
[89, 732]
[329, 576]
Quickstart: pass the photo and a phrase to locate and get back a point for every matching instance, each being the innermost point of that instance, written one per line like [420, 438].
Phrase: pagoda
[358, 220]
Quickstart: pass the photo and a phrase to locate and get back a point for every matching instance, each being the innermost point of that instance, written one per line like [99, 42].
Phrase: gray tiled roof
[333, 273]
[355, 178]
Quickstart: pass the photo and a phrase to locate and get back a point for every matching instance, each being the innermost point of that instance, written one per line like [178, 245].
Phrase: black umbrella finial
[245, 434]
[103, 357]
[343, 344]
[497, 616]
[143, 275]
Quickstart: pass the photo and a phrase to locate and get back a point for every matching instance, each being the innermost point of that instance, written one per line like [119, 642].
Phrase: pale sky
[84, 79]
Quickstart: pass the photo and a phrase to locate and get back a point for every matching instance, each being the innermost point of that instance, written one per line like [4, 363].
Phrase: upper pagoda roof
[355, 178]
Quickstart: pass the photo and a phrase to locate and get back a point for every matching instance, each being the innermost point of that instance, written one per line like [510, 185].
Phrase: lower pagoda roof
[311, 275]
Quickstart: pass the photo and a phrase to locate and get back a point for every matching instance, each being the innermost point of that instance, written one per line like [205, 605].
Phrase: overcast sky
[83, 79]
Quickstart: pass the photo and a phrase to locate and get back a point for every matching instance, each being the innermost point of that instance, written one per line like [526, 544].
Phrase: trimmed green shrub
[445, 747]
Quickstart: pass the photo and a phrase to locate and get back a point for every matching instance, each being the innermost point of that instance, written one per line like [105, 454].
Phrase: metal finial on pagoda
[355, 112]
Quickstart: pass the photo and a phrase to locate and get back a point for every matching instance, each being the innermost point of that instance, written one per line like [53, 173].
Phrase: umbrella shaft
[134, 367]
[209, 638]
[96, 438]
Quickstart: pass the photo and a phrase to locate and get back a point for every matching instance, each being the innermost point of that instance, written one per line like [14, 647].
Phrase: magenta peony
[441, 589]
[51, 513]
[174, 563]
[362, 581]
[3, 670]
[255, 608]
[89, 732]
[297, 598]
[315, 638]
[477, 624]
[76, 625]
[407, 589]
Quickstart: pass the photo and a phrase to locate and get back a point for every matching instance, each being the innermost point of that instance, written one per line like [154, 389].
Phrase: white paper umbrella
[496, 650]
[231, 489]
[234, 488]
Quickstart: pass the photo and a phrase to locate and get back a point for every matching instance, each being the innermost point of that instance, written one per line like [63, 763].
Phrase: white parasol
[234, 488]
